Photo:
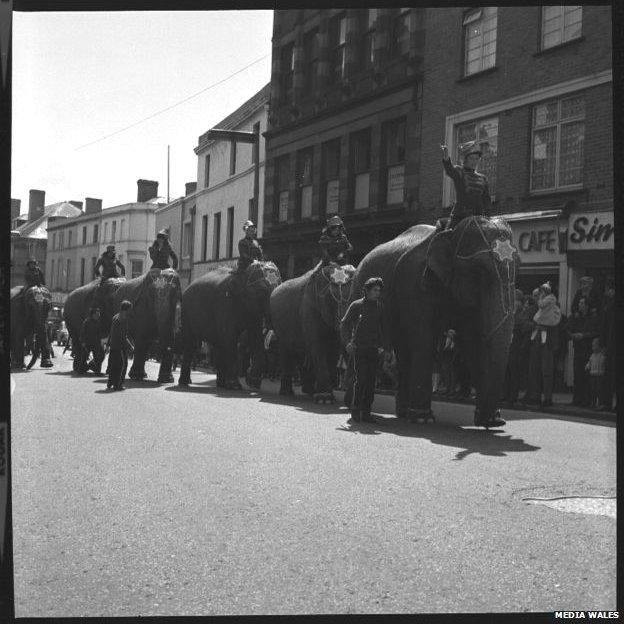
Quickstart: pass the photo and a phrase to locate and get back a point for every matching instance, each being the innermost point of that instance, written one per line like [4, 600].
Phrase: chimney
[190, 188]
[92, 205]
[36, 203]
[16, 206]
[78, 204]
[146, 190]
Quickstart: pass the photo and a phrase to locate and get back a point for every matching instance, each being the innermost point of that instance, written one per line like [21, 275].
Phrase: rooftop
[38, 227]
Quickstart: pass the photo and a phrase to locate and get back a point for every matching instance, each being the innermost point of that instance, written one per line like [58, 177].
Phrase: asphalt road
[163, 501]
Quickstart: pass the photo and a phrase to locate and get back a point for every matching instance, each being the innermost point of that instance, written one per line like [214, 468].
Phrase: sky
[79, 76]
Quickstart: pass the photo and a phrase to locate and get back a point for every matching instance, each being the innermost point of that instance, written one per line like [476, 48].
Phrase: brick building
[344, 129]
[534, 86]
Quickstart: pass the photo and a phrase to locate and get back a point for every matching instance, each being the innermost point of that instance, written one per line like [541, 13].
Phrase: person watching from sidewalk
[362, 333]
[596, 369]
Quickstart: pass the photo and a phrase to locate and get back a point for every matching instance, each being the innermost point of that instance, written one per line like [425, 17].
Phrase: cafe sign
[593, 230]
[537, 241]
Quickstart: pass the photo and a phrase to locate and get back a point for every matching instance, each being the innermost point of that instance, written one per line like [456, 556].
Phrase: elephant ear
[440, 257]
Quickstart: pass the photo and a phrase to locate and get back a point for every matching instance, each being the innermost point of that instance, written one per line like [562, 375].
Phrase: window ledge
[483, 72]
[559, 46]
[575, 190]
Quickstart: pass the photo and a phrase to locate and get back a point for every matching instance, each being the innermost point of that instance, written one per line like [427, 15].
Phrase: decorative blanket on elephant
[37, 293]
[163, 278]
[337, 279]
[263, 271]
[111, 284]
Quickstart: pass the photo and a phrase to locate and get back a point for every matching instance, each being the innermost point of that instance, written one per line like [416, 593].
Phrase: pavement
[160, 500]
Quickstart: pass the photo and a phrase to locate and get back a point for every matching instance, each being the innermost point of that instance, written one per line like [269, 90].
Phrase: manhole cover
[595, 505]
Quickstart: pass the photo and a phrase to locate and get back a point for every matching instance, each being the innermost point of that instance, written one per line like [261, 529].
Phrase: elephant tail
[35, 355]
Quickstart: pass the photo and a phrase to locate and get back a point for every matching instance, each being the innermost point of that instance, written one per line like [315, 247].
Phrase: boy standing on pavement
[361, 330]
[118, 342]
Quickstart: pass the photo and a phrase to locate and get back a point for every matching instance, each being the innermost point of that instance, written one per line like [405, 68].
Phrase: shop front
[540, 241]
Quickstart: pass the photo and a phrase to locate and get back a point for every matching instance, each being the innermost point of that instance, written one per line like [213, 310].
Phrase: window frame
[302, 157]
[387, 129]
[480, 17]
[282, 166]
[114, 231]
[83, 262]
[233, 157]
[84, 234]
[229, 234]
[216, 236]
[561, 31]
[559, 123]
[330, 150]
[311, 59]
[134, 273]
[186, 239]
[402, 15]
[207, 171]
[287, 78]
[337, 46]
[96, 232]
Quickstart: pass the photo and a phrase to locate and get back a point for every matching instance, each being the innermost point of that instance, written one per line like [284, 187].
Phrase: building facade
[533, 85]
[75, 245]
[344, 129]
[224, 197]
[29, 231]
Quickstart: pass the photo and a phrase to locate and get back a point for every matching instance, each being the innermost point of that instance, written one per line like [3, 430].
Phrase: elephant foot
[287, 392]
[21, 366]
[137, 376]
[46, 363]
[324, 397]
[253, 382]
[184, 381]
[494, 420]
[234, 384]
[402, 412]
[166, 379]
[420, 416]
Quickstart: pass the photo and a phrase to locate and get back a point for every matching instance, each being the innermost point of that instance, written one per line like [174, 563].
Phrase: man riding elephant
[108, 262]
[161, 251]
[335, 246]
[33, 276]
[249, 248]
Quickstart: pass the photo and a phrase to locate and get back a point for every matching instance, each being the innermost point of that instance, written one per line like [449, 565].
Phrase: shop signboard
[590, 231]
[396, 184]
[537, 241]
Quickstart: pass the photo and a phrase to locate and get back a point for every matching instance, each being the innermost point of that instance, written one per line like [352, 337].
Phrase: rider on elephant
[33, 275]
[471, 187]
[161, 250]
[109, 263]
[249, 248]
[335, 245]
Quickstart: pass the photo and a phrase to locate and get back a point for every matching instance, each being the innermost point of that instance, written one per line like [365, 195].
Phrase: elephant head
[332, 288]
[163, 292]
[476, 263]
[260, 279]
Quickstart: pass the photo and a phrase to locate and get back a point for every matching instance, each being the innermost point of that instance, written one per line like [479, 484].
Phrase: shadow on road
[492, 443]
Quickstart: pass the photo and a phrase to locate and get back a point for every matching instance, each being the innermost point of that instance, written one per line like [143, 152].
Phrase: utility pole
[167, 173]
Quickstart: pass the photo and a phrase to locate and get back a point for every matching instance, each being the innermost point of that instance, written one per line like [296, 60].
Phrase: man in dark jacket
[119, 343]
[362, 333]
[472, 193]
[249, 248]
[33, 276]
[335, 246]
[582, 328]
[586, 291]
[109, 262]
[90, 335]
[161, 251]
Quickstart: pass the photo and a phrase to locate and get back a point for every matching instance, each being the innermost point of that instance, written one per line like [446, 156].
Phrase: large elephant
[469, 285]
[154, 296]
[29, 311]
[306, 313]
[217, 307]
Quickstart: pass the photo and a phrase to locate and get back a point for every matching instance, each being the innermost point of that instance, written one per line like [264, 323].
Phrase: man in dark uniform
[90, 340]
[472, 194]
[161, 251]
[118, 343]
[109, 263]
[362, 333]
[335, 245]
[33, 276]
[249, 248]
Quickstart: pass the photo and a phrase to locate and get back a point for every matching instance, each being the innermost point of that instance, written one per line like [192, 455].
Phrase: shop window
[360, 164]
[136, 267]
[479, 39]
[331, 175]
[282, 175]
[368, 28]
[304, 182]
[557, 145]
[394, 134]
[401, 32]
[337, 38]
[310, 52]
[287, 71]
[560, 24]
[485, 132]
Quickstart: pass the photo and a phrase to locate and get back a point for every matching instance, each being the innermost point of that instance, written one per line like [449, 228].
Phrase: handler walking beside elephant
[362, 332]
[90, 340]
[161, 251]
[118, 343]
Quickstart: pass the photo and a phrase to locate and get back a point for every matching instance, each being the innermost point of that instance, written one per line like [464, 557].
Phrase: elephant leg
[227, 362]
[187, 359]
[137, 371]
[254, 372]
[287, 364]
[420, 370]
[323, 386]
[166, 360]
[17, 352]
[402, 393]
[80, 357]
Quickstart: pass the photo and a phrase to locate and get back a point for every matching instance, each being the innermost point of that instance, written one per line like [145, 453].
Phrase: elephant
[462, 278]
[217, 308]
[29, 311]
[154, 296]
[306, 313]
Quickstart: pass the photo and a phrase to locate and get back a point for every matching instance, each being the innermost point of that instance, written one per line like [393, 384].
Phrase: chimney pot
[190, 188]
[16, 206]
[78, 204]
[92, 205]
[146, 190]
[36, 202]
